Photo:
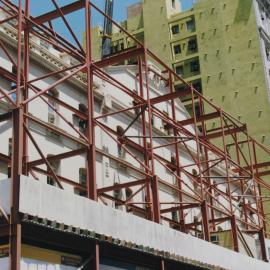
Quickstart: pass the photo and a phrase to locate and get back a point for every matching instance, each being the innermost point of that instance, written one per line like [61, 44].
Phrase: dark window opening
[167, 127]
[177, 49]
[117, 194]
[55, 165]
[192, 45]
[175, 29]
[10, 147]
[53, 106]
[214, 239]
[82, 176]
[190, 25]
[197, 86]
[194, 66]
[179, 70]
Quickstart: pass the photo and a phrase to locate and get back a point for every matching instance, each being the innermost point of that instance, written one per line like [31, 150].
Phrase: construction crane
[107, 29]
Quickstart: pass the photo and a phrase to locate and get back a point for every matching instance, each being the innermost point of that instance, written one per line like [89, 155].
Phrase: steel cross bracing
[219, 146]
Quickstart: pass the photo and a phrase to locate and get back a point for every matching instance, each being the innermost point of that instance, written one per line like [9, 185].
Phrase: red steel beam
[226, 132]
[118, 58]
[168, 97]
[56, 14]
[202, 118]
[176, 208]
[57, 157]
[123, 185]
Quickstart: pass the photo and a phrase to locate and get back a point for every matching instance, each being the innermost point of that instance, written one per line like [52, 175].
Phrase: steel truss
[221, 145]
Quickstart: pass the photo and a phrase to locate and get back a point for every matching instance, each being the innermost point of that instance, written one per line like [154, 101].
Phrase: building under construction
[101, 165]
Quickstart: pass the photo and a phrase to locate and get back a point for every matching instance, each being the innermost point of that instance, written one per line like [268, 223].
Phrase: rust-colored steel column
[207, 172]
[262, 243]
[234, 234]
[91, 152]
[155, 189]
[17, 159]
[259, 186]
[149, 200]
[26, 61]
[205, 223]
[95, 264]
[156, 204]
[177, 156]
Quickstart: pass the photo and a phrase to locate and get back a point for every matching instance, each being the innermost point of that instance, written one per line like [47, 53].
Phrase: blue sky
[77, 19]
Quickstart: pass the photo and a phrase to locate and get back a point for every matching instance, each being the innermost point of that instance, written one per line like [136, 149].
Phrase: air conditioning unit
[108, 101]
[51, 118]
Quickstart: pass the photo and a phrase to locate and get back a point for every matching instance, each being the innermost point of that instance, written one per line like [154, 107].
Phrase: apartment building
[220, 47]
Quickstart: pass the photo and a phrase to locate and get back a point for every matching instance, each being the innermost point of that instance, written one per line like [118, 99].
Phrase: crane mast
[107, 29]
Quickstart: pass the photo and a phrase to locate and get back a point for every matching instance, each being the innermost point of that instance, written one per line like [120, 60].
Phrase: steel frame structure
[219, 146]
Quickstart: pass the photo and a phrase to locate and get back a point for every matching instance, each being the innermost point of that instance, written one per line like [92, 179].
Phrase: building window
[177, 49]
[121, 151]
[175, 29]
[129, 193]
[129, 198]
[173, 3]
[55, 165]
[81, 123]
[10, 147]
[175, 216]
[82, 176]
[194, 66]
[195, 181]
[117, 194]
[190, 25]
[166, 127]
[179, 70]
[122, 46]
[53, 106]
[192, 45]
[214, 239]
[198, 86]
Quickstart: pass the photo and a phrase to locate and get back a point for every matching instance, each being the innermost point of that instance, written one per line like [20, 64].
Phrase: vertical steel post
[211, 191]
[149, 208]
[154, 180]
[26, 62]
[17, 159]
[177, 156]
[253, 180]
[234, 234]
[262, 243]
[204, 210]
[233, 219]
[259, 186]
[91, 152]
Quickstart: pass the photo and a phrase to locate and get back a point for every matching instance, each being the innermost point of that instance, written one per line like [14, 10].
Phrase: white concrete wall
[49, 202]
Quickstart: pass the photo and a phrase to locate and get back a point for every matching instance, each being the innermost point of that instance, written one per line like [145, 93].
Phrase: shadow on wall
[243, 11]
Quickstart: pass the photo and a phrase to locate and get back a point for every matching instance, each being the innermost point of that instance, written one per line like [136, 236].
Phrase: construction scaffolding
[220, 146]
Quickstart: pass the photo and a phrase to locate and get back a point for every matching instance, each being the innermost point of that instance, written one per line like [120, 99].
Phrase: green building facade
[222, 47]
